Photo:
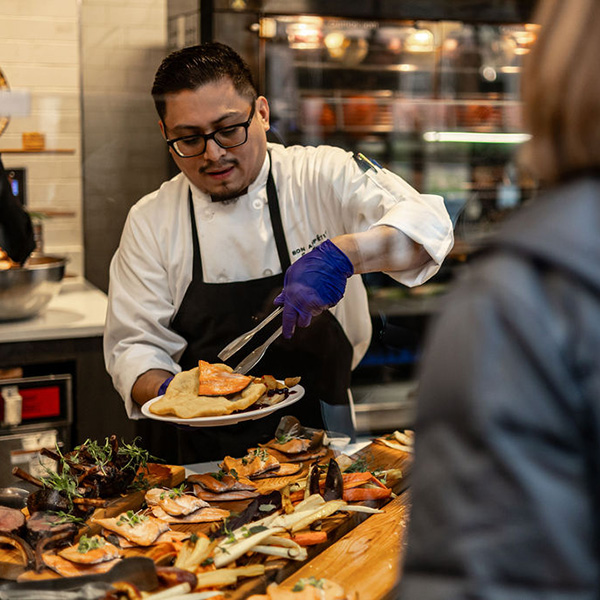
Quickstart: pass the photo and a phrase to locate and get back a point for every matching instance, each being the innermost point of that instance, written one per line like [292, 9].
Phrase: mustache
[219, 166]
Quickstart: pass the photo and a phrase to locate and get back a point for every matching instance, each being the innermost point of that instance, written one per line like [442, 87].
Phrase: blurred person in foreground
[245, 224]
[506, 485]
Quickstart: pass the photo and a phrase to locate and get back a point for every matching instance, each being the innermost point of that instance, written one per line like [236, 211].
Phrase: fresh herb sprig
[131, 518]
[64, 482]
[89, 543]
[302, 583]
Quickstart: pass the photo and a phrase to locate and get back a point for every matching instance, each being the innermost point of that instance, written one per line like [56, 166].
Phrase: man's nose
[213, 151]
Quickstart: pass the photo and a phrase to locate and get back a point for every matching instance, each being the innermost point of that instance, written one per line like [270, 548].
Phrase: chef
[248, 224]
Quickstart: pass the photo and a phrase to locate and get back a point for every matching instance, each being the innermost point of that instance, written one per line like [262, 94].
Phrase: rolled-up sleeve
[374, 199]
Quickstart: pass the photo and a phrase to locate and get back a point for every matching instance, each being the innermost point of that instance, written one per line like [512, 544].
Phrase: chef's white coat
[322, 193]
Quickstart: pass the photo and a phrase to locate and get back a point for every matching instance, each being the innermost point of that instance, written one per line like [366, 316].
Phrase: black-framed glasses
[226, 137]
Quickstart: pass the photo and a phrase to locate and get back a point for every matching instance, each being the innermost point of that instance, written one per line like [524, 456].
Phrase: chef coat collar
[259, 183]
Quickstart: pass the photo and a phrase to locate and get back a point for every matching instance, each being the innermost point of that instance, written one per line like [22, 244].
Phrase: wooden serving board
[11, 566]
[366, 561]
[353, 541]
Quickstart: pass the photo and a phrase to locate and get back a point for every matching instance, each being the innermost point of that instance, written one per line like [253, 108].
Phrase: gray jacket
[506, 501]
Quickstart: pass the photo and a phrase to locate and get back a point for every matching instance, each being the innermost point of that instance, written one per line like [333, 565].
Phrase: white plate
[296, 393]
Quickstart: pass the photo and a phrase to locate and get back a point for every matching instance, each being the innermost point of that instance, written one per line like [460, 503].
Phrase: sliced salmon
[290, 445]
[221, 482]
[170, 536]
[142, 530]
[66, 568]
[203, 515]
[257, 461]
[173, 502]
[300, 457]
[104, 552]
[216, 380]
[224, 496]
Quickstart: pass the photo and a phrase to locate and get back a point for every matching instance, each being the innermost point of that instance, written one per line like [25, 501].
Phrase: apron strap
[276, 223]
[197, 261]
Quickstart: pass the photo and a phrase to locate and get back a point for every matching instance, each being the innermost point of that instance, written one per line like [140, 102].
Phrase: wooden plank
[389, 525]
[367, 560]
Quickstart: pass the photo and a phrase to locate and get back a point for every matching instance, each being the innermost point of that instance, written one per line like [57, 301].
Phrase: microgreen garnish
[140, 483]
[358, 466]
[177, 492]
[302, 583]
[64, 517]
[89, 543]
[138, 457]
[64, 482]
[132, 519]
[218, 475]
[266, 507]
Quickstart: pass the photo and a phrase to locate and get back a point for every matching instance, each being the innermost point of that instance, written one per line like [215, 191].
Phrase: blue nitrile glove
[164, 385]
[313, 284]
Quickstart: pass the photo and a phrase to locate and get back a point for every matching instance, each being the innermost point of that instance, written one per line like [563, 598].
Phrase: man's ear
[162, 128]
[262, 109]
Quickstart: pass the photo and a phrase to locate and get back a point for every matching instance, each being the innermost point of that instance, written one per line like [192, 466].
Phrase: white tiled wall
[41, 45]
[39, 52]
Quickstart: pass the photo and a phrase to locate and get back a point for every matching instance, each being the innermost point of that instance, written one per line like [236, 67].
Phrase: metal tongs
[247, 363]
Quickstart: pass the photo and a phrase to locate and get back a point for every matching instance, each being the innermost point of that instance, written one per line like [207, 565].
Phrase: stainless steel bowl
[26, 291]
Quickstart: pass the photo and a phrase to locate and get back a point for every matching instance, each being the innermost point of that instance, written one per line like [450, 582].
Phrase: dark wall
[470, 10]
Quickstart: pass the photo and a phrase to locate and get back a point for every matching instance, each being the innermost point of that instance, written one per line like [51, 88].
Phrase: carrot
[296, 497]
[354, 479]
[373, 493]
[310, 538]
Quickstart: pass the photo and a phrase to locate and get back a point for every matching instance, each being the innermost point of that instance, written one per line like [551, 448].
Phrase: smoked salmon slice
[66, 568]
[257, 461]
[137, 528]
[91, 551]
[174, 502]
[216, 380]
[202, 515]
[221, 482]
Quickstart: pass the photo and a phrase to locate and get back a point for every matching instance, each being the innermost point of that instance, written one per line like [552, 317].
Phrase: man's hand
[313, 284]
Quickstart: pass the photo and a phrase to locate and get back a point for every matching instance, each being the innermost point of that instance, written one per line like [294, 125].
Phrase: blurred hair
[561, 91]
[195, 66]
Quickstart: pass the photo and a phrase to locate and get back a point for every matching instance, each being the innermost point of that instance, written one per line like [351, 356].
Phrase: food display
[399, 440]
[210, 390]
[226, 533]
[309, 588]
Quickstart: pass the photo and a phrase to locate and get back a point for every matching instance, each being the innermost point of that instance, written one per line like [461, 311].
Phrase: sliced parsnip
[176, 590]
[222, 577]
[299, 553]
[226, 551]
[324, 511]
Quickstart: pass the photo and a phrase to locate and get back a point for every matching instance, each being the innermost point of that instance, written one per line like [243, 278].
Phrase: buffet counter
[78, 311]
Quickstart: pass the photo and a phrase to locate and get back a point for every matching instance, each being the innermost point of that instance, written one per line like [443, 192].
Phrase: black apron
[212, 314]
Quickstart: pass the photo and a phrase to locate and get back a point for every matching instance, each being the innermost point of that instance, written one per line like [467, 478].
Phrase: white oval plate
[296, 393]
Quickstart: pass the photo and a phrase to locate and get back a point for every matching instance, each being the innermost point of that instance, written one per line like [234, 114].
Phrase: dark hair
[194, 66]
[561, 91]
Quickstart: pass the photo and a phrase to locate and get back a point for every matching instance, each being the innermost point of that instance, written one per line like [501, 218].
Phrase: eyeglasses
[226, 137]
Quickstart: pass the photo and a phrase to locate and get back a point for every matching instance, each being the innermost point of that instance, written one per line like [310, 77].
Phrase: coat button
[208, 214]
[267, 272]
[223, 279]
[257, 204]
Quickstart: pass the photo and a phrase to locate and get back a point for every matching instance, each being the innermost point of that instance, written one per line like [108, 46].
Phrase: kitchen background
[399, 81]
